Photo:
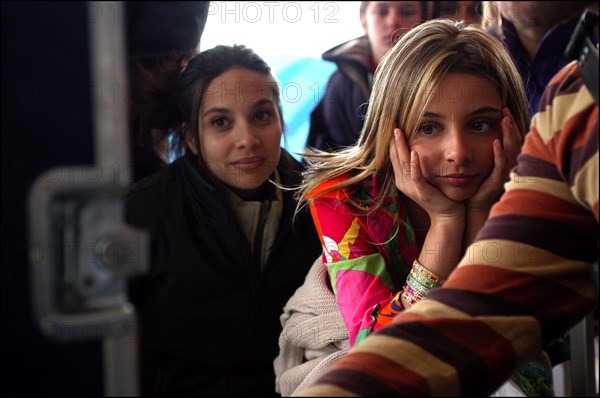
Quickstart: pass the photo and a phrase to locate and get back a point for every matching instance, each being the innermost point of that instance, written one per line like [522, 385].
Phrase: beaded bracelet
[416, 286]
[414, 293]
[409, 298]
[426, 274]
[416, 276]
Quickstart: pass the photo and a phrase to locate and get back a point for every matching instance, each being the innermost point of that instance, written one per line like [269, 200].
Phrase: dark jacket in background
[548, 59]
[338, 118]
[209, 320]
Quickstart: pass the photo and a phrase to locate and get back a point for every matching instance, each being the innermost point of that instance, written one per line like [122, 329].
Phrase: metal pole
[109, 78]
[583, 379]
[110, 88]
[121, 360]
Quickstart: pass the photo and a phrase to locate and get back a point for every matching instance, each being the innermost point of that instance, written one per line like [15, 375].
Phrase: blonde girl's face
[455, 137]
[240, 130]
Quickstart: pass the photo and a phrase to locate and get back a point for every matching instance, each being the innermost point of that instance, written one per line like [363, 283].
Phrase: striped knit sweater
[523, 282]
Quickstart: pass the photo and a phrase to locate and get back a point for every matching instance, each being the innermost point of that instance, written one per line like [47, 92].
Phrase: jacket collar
[203, 191]
[356, 51]
[199, 187]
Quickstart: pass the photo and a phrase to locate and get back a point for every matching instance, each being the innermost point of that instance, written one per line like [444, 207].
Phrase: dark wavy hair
[173, 93]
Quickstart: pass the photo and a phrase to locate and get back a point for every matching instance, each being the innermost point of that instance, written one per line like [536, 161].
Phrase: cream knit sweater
[314, 335]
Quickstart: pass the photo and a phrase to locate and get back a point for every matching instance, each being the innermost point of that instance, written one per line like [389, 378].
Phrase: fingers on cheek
[506, 125]
[499, 149]
[393, 154]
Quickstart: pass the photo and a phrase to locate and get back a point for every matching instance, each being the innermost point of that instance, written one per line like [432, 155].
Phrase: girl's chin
[459, 195]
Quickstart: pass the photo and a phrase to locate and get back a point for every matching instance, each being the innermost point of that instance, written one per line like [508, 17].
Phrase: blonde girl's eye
[481, 126]
[428, 129]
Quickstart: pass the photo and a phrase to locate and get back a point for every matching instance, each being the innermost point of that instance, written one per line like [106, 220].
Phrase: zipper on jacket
[265, 207]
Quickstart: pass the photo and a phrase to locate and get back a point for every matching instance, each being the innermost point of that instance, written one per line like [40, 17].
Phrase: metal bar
[121, 361]
[110, 88]
[111, 143]
[583, 379]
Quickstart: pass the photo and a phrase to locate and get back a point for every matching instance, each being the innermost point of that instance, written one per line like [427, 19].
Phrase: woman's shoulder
[153, 193]
[153, 182]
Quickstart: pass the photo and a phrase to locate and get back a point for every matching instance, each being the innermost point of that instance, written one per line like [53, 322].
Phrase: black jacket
[209, 320]
[338, 118]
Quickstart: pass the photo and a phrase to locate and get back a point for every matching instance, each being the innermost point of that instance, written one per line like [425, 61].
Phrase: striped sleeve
[524, 281]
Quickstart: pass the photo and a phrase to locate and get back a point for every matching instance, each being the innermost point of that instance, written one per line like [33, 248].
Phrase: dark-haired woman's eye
[219, 122]
[263, 116]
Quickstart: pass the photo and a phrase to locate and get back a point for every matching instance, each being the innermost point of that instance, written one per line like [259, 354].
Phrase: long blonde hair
[404, 83]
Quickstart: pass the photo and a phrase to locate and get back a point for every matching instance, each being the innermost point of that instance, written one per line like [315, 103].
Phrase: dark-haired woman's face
[240, 130]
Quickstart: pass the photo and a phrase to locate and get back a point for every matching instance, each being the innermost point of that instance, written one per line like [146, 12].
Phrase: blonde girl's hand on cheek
[505, 158]
[411, 182]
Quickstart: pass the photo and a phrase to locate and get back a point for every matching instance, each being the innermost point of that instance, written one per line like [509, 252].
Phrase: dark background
[46, 122]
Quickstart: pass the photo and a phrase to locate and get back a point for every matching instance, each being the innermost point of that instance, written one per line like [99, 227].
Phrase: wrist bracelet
[422, 290]
[421, 279]
[409, 298]
[421, 270]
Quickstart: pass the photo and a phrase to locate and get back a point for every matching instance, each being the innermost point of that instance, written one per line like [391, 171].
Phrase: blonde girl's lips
[459, 180]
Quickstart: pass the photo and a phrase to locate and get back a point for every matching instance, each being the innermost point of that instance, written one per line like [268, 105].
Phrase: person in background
[337, 119]
[155, 32]
[518, 286]
[393, 225]
[536, 34]
[226, 249]
[470, 12]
